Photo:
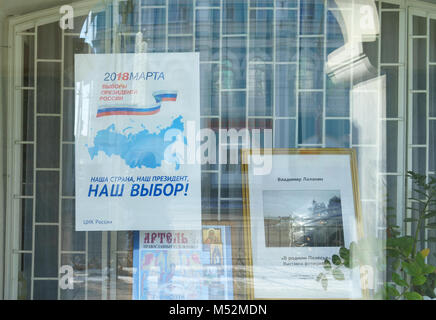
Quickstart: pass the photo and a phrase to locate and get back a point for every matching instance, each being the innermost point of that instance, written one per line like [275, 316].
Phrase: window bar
[273, 77]
[220, 101]
[34, 158]
[324, 76]
[297, 78]
[60, 213]
[427, 115]
[380, 132]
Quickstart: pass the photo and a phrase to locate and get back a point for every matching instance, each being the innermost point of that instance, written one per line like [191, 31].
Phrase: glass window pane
[180, 44]
[260, 90]
[286, 35]
[45, 290]
[285, 133]
[207, 34]
[432, 40]
[154, 29]
[261, 3]
[71, 240]
[27, 161]
[49, 87]
[311, 17]
[49, 41]
[233, 110]
[209, 195]
[390, 37]
[77, 262]
[24, 276]
[419, 26]
[335, 37]
[26, 223]
[337, 98]
[337, 133]
[419, 64]
[28, 43]
[392, 82]
[46, 252]
[234, 16]
[310, 119]
[47, 196]
[47, 139]
[231, 180]
[180, 16]
[72, 46]
[419, 135]
[391, 146]
[209, 89]
[28, 115]
[286, 3]
[261, 35]
[432, 93]
[68, 170]
[311, 63]
[285, 90]
[68, 116]
[234, 63]
[211, 159]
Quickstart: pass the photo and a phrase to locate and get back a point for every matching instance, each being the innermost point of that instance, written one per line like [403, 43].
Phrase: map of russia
[142, 149]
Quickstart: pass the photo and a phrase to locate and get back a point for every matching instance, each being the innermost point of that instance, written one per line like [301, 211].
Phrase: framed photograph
[297, 214]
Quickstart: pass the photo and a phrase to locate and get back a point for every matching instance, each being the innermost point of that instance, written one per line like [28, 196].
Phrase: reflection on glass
[234, 63]
[260, 90]
[261, 35]
[419, 127]
[310, 118]
[285, 90]
[234, 16]
[207, 33]
[286, 35]
[419, 64]
[337, 133]
[284, 133]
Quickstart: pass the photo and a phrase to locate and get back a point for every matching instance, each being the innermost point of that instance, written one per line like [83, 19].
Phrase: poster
[183, 265]
[299, 215]
[137, 116]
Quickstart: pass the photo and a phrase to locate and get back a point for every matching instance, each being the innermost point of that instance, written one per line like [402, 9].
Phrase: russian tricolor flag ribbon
[135, 110]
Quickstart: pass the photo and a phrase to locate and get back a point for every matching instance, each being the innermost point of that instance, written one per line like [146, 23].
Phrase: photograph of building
[308, 218]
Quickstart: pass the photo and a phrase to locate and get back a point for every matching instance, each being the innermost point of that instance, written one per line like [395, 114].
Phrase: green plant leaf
[338, 274]
[419, 280]
[391, 291]
[336, 260]
[410, 220]
[399, 280]
[428, 268]
[324, 283]
[344, 253]
[396, 264]
[319, 277]
[411, 268]
[413, 296]
[327, 265]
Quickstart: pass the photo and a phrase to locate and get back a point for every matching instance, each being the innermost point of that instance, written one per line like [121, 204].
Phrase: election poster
[136, 120]
[183, 265]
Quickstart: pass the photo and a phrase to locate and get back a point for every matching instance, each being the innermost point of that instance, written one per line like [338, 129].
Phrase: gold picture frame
[245, 153]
